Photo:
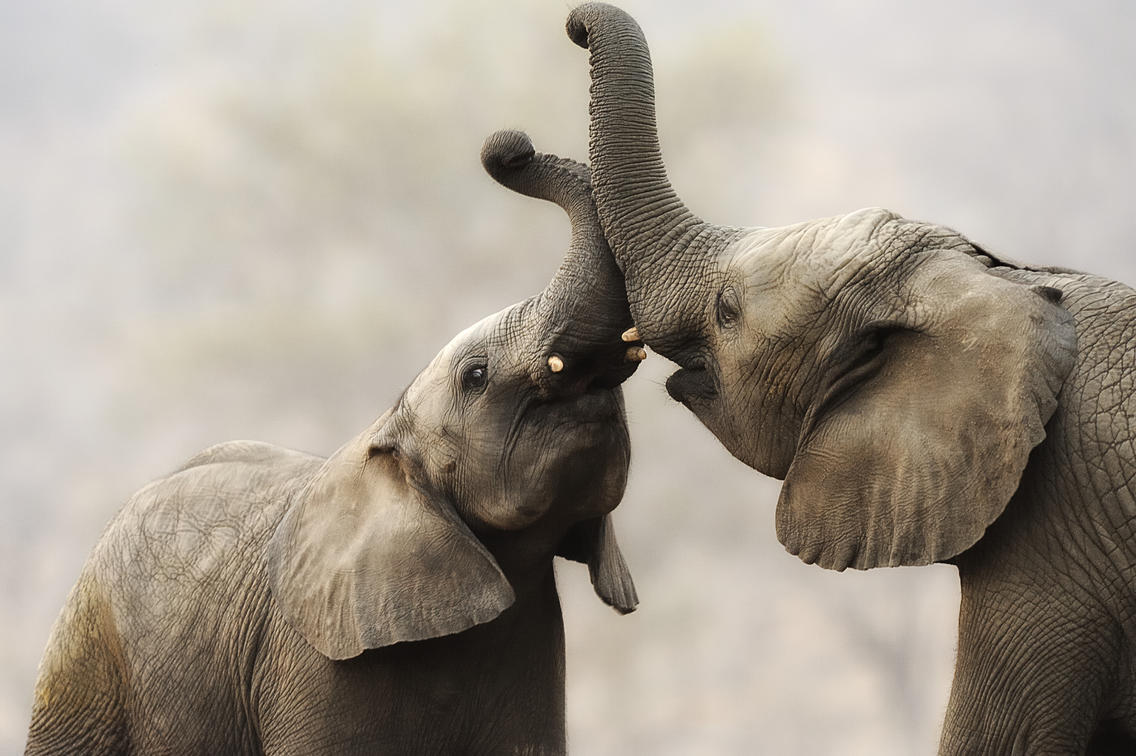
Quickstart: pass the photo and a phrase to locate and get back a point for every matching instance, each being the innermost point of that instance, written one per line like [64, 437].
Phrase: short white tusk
[636, 354]
[555, 364]
[631, 334]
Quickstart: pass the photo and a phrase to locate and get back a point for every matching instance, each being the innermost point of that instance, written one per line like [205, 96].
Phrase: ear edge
[593, 542]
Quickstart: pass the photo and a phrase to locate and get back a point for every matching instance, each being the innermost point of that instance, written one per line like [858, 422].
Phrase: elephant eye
[727, 310]
[475, 378]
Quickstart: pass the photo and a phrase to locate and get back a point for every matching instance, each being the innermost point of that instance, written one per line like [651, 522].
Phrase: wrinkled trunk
[581, 314]
[660, 245]
[640, 210]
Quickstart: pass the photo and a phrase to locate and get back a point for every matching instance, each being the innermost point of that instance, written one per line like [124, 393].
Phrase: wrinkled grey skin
[396, 598]
[923, 401]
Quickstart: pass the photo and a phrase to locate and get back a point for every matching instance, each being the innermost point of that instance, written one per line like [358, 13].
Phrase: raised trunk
[583, 310]
[659, 244]
[640, 211]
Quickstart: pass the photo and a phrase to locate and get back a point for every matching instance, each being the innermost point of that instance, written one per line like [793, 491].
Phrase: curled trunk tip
[509, 157]
[577, 27]
[506, 151]
[582, 17]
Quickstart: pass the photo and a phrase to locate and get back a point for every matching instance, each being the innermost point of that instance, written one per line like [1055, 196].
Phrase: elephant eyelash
[475, 378]
[726, 310]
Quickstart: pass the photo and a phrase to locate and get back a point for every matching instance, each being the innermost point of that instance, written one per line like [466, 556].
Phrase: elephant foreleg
[1036, 666]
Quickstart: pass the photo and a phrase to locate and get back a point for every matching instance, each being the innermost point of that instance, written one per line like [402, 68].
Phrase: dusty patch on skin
[83, 677]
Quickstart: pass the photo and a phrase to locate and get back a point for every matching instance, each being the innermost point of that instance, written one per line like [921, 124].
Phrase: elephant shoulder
[246, 452]
[1104, 314]
[209, 516]
[1104, 311]
[178, 575]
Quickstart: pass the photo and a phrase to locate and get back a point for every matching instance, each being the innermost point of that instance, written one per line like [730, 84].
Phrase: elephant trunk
[582, 313]
[660, 245]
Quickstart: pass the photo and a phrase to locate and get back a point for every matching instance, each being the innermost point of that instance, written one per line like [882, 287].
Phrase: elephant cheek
[762, 438]
[693, 390]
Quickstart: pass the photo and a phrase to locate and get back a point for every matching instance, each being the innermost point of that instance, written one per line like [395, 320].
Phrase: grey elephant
[397, 597]
[923, 399]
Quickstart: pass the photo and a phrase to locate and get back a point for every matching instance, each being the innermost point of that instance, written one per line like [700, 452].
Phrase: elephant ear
[366, 557]
[593, 543]
[918, 439]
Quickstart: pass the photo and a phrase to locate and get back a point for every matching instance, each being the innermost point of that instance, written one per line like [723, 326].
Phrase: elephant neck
[525, 556]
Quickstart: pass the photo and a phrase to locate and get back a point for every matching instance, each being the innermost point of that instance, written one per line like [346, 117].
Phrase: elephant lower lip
[674, 392]
[595, 407]
[614, 377]
[690, 385]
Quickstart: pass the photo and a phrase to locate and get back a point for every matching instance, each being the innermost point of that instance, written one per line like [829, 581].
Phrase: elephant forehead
[475, 340]
[816, 250]
[796, 271]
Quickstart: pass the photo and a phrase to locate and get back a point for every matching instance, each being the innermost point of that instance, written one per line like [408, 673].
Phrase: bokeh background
[252, 219]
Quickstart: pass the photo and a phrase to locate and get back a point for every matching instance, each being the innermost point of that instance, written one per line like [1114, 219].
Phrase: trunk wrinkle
[583, 310]
[636, 203]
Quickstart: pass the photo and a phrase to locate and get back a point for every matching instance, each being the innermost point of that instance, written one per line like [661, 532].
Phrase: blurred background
[260, 219]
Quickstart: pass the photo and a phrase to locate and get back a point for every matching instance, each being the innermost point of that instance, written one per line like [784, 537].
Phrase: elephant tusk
[631, 334]
[636, 354]
[555, 364]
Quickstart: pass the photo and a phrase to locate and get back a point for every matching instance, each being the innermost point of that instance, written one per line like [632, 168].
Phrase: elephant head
[511, 442]
[880, 366]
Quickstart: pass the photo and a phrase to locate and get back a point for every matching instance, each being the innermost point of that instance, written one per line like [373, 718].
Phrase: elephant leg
[1036, 667]
[79, 695]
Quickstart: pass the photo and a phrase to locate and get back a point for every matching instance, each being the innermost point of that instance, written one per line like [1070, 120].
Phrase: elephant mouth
[692, 385]
[584, 369]
[598, 411]
[593, 433]
[596, 407]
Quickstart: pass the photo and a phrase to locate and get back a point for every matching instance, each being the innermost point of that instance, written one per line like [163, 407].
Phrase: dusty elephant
[924, 400]
[397, 597]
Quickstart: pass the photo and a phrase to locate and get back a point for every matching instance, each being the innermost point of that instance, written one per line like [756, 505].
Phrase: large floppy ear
[366, 557]
[919, 436]
[593, 543]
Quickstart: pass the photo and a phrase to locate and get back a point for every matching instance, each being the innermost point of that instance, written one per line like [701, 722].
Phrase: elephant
[397, 597]
[923, 400]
